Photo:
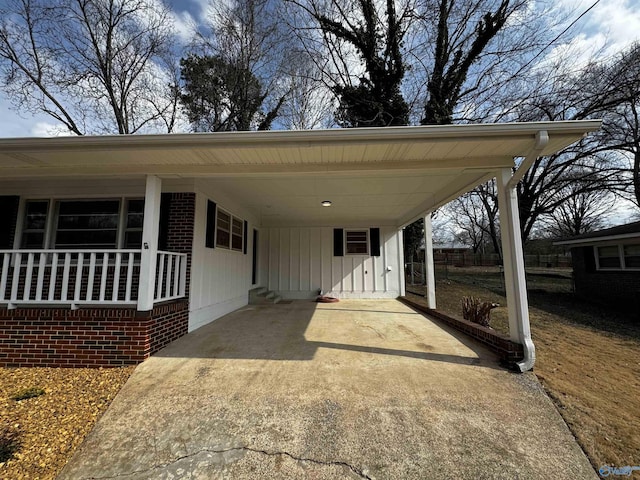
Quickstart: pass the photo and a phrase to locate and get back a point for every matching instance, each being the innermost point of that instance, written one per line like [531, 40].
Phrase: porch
[74, 278]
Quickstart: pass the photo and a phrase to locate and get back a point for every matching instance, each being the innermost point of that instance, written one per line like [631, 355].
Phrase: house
[115, 246]
[606, 264]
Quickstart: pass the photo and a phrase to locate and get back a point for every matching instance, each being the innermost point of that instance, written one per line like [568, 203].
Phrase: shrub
[28, 393]
[477, 311]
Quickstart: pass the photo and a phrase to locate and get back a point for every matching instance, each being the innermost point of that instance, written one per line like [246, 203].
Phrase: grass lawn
[588, 357]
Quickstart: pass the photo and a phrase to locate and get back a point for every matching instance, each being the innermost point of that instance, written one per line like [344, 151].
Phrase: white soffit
[372, 176]
[484, 146]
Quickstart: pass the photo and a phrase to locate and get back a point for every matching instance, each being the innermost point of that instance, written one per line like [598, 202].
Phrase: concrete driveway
[356, 389]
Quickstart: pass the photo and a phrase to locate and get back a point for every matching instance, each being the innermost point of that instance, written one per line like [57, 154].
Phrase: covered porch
[297, 212]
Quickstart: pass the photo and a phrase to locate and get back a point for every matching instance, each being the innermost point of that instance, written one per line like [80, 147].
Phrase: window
[357, 242]
[236, 234]
[87, 224]
[77, 224]
[632, 256]
[35, 224]
[229, 231]
[609, 257]
[618, 257]
[223, 229]
[133, 224]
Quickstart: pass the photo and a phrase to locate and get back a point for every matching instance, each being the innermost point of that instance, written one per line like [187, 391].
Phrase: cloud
[47, 129]
[185, 26]
[611, 25]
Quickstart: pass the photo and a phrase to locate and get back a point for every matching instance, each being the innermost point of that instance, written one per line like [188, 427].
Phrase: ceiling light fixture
[326, 203]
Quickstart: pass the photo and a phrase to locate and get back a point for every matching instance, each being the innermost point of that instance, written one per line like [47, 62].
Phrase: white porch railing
[85, 277]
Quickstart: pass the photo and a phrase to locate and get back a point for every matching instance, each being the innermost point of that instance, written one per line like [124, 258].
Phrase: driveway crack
[357, 471]
[362, 473]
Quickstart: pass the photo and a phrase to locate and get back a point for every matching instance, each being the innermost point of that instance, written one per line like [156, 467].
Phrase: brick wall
[182, 214]
[619, 287]
[508, 351]
[100, 337]
[88, 337]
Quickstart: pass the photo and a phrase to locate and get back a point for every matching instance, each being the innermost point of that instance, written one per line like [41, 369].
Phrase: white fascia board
[594, 240]
[292, 137]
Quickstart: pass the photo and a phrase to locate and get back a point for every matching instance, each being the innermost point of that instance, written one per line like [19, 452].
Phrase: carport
[360, 389]
[275, 209]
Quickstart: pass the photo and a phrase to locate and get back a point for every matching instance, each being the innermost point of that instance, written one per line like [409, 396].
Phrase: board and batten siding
[220, 278]
[296, 262]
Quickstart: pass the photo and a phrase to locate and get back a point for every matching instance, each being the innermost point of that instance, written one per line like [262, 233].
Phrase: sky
[614, 23]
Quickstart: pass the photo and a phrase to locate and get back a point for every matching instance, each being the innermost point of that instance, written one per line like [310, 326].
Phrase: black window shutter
[374, 238]
[338, 242]
[210, 240]
[589, 259]
[8, 217]
[245, 237]
[163, 227]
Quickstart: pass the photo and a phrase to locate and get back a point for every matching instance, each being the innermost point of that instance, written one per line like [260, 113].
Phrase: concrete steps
[261, 296]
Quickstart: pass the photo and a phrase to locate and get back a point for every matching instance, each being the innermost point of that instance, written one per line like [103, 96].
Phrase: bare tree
[592, 164]
[461, 35]
[475, 215]
[94, 66]
[309, 104]
[246, 37]
[621, 128]
[359, 49]
[582, 211]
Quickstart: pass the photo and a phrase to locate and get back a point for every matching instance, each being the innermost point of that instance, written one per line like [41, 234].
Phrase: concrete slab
[356, 389]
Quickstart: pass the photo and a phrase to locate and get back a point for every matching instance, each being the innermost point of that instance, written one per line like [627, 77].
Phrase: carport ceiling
[365, 199]
[372, 175]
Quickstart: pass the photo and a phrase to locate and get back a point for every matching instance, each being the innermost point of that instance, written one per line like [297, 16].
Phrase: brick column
[180, 225]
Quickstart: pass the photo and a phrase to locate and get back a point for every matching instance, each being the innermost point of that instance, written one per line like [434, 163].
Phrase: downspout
[524, 334]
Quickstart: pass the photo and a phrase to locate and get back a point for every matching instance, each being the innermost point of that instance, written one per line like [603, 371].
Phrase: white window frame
[622, 267]
[367, 242]
[232, 217]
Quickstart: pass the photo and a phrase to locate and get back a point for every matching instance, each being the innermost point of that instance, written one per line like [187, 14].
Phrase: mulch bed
[51, 425]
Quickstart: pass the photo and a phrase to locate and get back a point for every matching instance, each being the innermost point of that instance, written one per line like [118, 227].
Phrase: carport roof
[442, 161]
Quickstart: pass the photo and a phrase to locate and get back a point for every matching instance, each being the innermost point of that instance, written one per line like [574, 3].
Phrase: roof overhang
[438, 162]
[583, 242]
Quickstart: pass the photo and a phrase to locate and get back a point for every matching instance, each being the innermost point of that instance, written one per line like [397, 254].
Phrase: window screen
[133, 224]
[223, 229]
[236, 234]
[87, 224]
[35, 224]
[357, 242]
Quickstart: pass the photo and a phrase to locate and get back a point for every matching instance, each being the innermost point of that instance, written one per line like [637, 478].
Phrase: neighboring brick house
[606, 264]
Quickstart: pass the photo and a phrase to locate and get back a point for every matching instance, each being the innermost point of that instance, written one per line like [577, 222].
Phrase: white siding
[300, 262]
[220, 278]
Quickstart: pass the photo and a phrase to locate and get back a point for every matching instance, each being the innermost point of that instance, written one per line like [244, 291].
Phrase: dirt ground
[51, 426]
[588, 359]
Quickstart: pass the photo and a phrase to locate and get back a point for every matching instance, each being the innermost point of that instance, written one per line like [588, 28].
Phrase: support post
[149, 255]
[401, 271]
[430, 275]
[514, 271]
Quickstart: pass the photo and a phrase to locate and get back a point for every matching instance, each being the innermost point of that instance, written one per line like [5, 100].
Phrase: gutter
[305, 138]
[595, 240]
